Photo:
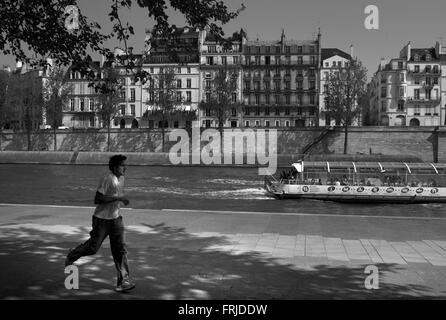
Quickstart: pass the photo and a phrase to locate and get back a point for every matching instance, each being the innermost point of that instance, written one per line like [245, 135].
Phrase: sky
[341, 22]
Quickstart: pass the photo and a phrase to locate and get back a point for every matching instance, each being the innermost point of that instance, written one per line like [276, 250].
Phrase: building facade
[213, 58]
[332, 60]
[408, 90]
[281, 82]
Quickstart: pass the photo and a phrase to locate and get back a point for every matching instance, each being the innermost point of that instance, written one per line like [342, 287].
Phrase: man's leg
[119, 251]
[97, 235]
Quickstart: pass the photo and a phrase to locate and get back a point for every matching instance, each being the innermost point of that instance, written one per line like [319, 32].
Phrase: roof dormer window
[428, 57]
[416, 57]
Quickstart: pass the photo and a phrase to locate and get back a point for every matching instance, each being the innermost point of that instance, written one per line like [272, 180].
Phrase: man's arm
[102, 199]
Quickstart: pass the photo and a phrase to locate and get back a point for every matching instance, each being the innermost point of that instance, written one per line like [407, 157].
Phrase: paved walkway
[179, 254]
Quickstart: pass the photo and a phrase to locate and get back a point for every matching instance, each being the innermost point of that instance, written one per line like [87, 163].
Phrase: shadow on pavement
[169, 263]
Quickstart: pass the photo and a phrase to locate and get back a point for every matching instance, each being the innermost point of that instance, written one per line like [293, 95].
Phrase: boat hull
[358, 194]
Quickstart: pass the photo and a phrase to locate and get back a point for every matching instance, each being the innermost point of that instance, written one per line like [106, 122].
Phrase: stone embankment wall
[424, 143]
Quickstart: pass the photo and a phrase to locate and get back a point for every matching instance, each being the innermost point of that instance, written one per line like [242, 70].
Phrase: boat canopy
[434, 168]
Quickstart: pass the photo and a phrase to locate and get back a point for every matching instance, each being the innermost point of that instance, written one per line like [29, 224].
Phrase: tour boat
[366, 182]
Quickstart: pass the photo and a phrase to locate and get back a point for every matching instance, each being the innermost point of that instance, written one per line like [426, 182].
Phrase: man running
[108, 222]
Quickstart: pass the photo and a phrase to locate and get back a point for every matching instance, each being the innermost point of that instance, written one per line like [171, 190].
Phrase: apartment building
[214, 56]
[407, 89]
[281, 82]
[332, 60]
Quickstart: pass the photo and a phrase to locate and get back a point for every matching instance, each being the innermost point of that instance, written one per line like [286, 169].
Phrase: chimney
[409, 51]
[352, 51]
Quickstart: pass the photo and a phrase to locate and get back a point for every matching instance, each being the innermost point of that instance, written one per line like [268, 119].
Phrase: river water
[162, 187]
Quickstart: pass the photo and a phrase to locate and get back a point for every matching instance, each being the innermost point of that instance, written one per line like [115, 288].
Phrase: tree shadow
[167, 262]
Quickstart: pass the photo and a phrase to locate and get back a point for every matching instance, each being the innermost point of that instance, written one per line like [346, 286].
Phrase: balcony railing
[420, 100]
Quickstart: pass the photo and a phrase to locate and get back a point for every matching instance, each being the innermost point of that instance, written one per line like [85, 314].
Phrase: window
[312, 99]
[132, 94]
[287, 85]
[179, 83]
[416, 94]
[91, 121]
[401, 91]
[266, 111]
[339, 64]
[428, 57]
[416, 69]
[277, 84]
[300, 60]
[288, 60]
[81, 104]
[132, 109]
[188, 96]
[208, 112]
[400, 64]
[257, 99]
[312, 85]
[234, 112]
[266, 85]
[277, 123]
[189, 83]
[151, 96]
[256, 85]
[417, 80]
[383, 106]
[257, 123]
[383, 92]
[208, 96]
[427, 69]
[267, 99]
[277, 99]
[123, 94]
[210, 60]
[401, 105]
[416, 110]
[247, 123]
[416, 57]
[71, 104]
[277, 59]
[257, 60]
[402, 77]
[287, 99]
[234, 97]
[435, 80]
[267, 60]
[299, 100]
[325, 88]
[178, 96]
[327, 64]
[287, 123]
[267, 123]
[224, 60]
[287, 111]
[277, 49]
[247, 111]
[179, 70]
[91, 104]
[235, 59]
[188, 69]
[257, 111]
[132, 81]
[299, 49]
[247, 85]
[122, 109]
[300, 85]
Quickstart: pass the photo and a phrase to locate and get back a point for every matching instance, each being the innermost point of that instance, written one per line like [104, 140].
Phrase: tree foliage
[37, 28]
[344, 89]
[219, 98]
[55, 96]
[109, 98]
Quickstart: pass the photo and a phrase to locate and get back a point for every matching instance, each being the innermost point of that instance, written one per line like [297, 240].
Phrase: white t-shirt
[110, 185]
